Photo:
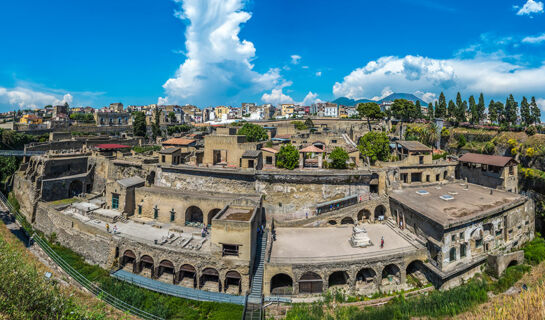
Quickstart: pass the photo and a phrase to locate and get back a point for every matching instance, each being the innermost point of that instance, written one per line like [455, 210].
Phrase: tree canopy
[404, 110]
[535, 111]
[139, 124]
[441, 111]
[375, 146]
[253, 132]
[338, 158]
[288, 157]
[369, 110]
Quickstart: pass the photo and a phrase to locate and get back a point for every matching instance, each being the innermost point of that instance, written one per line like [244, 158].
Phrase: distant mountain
[351, 102]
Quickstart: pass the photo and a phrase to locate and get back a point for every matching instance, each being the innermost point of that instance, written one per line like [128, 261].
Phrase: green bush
[534, 251]
[509, 278]
[375, 145]
[461, 141]
[253, 132]
[288, 157]
[338, 158]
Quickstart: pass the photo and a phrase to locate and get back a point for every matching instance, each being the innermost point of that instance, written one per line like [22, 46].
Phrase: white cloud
[534, 39]
[530, 7]
[310, 98]
[276, 97]
[319, 73]
[304, 67]
[471, 76]
[383, 94]
[24, 98]
[541, 103]
[426, 96]
[295, 58]
[218, 66]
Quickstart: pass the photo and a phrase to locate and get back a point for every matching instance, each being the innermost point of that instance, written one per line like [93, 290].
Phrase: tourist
[115, 228]
[382, 242]
[203, 234]
[107, 228]
[306, 215]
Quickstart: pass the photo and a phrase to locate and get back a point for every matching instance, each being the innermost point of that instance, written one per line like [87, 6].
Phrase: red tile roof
[178, 141]
[111, 146]
[312, 148]
[498, 161]
[272, 150]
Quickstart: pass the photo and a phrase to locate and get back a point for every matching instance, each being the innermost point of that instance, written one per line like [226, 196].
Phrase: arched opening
[310, 282]
[364, 215]
[380, 213]
[146, 266]
[347, 220]
[128, 261]
[75, 188]
[332, 222]
[338, 278]
[233, 282]
[391, 275]
[281, 284]
[210, 280]
[211, 215]
[188, 276]
[365, 279]
[166, 271]
[193, 214]
[417, 277]
[512, 263]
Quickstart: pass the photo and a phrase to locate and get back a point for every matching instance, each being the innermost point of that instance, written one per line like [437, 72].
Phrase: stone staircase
[405, 234]
[254, 304]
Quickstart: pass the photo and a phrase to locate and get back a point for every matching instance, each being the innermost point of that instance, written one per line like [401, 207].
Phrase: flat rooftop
[237, 214]
[307, 245]
[461, 204]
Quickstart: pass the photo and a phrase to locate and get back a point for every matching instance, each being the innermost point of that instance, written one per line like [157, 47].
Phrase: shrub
[338, 158]
[253, 132]
[288, 157]
[489, 147]
[375, 145]
[509, 278]
[530, 152]
[461, 141]
[530, 130]
[534, 251]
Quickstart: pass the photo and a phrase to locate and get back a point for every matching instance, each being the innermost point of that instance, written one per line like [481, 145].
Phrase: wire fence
[81, 279]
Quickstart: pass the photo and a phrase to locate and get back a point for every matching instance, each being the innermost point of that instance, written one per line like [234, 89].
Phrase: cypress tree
[480, 108]
[525, 114]
[535, 111]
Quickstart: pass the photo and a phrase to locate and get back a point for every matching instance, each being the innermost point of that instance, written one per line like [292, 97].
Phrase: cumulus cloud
[384, 93]
[319, 73]
[541, 103]
[534, 39]
[310, 98]
[218, 68]
[276, 97]
[426, 96]
[531, 7]
[295, 58]
[24, 98]
[415, 73]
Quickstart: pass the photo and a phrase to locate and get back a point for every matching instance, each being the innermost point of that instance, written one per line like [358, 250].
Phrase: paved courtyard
[333, 242]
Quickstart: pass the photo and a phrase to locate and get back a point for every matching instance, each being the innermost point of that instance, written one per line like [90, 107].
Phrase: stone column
[320, 160]
[301, 160]
[402, 275]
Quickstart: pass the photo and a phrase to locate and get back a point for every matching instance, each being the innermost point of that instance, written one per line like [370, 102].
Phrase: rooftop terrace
[456, 203]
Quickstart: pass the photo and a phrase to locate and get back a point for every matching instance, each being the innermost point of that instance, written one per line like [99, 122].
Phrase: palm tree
[432, 135]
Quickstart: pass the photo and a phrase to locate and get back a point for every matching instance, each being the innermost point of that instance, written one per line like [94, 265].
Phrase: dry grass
[526, 305]
[84, 299]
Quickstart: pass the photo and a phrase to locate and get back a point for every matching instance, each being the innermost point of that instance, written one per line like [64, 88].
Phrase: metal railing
[81, 279]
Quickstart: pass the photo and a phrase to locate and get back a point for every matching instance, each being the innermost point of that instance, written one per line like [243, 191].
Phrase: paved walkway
[178, 291]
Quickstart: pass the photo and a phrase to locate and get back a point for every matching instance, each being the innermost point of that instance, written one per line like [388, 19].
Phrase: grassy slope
[32, 289]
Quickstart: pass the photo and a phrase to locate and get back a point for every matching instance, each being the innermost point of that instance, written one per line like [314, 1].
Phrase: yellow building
[287, 109]
[30, 119]
[220, 111]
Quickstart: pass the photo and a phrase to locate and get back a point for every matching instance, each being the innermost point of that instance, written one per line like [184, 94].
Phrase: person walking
[107, 228]
[382, 242]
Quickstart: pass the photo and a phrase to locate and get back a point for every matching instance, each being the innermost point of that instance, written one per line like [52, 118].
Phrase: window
[115, 201]
[230, 250]
[269, 160]
[404, 177]
[453, 237]
[155, 212]
[139, 209]
[463, 248]
[437, 177]
[421, 159]
[452, 255]
[333, 141]
[250, 163]
[462, 236]
[162, 158]
[172, 215]
[444, 175]
[498, 233]
[427, 178]
[511, 170]
[478, 243]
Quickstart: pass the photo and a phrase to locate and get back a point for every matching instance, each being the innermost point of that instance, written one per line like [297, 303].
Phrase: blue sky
[212, 52]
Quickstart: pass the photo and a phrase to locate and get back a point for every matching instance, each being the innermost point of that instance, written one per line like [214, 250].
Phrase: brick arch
[338, 277]
[281, 285]
[188, 275]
